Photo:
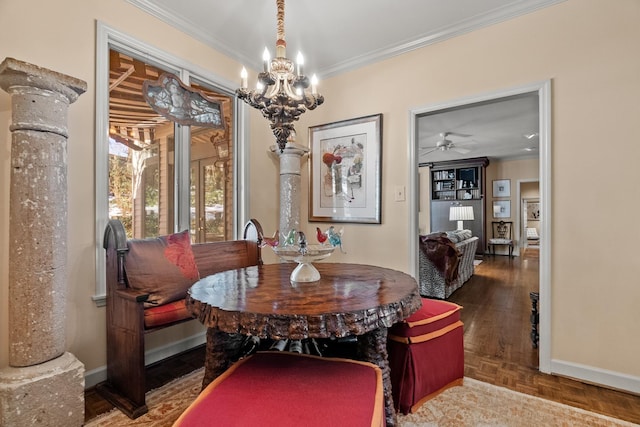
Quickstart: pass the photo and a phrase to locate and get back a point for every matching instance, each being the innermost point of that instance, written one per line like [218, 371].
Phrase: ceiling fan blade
[461, 150]
[432, 149]
[461, 135]
[467, 142]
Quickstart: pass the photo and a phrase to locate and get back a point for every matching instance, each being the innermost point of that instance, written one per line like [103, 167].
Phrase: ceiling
[335, 35]
[505, 128]
[338, 36]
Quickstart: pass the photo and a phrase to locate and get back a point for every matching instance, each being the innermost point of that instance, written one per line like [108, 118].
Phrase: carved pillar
[290, 182]
[43, 385]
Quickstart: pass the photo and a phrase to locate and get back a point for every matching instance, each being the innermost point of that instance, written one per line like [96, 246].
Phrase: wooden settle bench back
[126, 305]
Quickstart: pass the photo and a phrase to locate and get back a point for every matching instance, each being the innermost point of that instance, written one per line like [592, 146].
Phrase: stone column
[43, 385]
[290, 182]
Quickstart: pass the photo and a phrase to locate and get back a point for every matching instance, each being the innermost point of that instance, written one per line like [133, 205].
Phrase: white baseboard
[597, 376]
[98, 375]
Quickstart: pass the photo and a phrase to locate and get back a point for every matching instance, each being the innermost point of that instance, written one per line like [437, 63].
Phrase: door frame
[522, 215]
[543, 89]
[198, 173]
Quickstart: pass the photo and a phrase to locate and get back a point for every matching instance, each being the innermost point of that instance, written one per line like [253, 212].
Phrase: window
[154, 175]
[141, 152]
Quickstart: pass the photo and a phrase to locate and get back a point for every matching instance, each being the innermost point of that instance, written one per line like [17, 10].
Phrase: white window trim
[106, 38]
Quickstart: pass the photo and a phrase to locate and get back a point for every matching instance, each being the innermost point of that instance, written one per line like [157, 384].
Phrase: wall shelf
[458, 182]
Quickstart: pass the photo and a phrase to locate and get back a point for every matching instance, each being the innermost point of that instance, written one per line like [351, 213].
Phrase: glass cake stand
[305, 271]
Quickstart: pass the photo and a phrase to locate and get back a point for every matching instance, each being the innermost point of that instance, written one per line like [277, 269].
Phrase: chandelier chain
[280, 21]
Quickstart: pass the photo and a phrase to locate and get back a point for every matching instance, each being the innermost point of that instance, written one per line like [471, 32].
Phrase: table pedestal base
[222, 350]
[372, 347]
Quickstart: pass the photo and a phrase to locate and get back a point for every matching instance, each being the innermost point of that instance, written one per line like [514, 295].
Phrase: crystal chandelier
[281, 93]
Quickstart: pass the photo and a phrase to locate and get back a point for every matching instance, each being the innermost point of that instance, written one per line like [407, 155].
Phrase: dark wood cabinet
[459, 182]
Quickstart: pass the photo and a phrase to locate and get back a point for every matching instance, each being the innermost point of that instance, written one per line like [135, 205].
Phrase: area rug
[473, 404]
[477, 262]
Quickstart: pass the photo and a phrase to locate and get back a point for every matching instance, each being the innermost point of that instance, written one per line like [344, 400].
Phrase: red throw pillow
[163, 267]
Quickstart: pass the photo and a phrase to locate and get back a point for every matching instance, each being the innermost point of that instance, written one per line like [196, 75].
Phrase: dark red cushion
[165, 314]
[287, 389]
[163, 267]
[433, 316]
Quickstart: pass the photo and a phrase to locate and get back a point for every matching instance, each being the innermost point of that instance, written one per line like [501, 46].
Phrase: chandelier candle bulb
[243, 78]
[314, 85]
[300, 62]
[265, 57]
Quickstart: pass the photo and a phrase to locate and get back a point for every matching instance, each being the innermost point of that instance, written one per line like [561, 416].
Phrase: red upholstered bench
[426, 354]
[288, 389]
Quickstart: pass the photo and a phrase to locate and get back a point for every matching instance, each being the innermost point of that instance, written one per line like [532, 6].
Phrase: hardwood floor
[498, 349]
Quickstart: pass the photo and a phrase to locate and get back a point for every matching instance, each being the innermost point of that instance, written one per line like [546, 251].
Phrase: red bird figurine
[272, 241]
[322, 237]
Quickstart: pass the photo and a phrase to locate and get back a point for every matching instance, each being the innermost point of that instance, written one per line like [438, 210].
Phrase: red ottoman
[426, 354]
[288, 389]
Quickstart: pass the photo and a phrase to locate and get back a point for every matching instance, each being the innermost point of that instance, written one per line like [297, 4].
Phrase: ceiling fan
[445, 144]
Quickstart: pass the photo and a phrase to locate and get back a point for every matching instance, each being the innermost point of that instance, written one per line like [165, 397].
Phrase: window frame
[109, 38]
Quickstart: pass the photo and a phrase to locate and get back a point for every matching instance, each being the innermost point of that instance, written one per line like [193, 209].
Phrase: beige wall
[588, 49]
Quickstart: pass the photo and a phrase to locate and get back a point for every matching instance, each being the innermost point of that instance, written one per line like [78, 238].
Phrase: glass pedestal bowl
[305, 271]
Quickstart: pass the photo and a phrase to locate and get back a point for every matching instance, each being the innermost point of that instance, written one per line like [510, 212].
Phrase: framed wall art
[502, 188]
[533, 210]
[502, 208]
[345, 171]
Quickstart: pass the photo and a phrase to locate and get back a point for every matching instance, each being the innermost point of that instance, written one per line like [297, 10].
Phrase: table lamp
[460, 214]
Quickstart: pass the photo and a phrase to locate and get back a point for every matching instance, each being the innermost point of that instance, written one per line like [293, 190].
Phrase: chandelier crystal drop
[282, 92]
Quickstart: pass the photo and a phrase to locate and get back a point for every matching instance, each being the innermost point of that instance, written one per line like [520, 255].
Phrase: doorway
[530, 218]
[208, 195]
[543, 91]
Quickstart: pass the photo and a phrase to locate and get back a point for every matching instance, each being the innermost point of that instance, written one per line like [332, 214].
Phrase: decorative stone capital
[14, 73]
[40, 97]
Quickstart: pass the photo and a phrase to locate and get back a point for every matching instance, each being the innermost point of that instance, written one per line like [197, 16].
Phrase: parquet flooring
[497, 345]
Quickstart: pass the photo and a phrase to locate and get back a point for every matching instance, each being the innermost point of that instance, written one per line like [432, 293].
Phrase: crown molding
[513, 10]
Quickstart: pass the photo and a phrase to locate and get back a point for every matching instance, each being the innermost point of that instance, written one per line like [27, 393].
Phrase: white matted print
[345, 171]
[502, 208]
[502, 188]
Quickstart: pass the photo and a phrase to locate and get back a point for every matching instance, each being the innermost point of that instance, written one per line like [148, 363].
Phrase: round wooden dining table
[348, 300]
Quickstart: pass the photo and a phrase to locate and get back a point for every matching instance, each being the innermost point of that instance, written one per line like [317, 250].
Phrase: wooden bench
[132, 312]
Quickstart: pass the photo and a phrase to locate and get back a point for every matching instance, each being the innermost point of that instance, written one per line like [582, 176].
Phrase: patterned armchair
[445, 262]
